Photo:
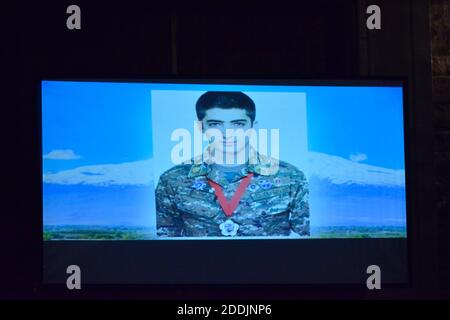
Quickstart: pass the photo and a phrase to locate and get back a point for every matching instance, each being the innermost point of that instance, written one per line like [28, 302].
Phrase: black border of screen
[269, 81]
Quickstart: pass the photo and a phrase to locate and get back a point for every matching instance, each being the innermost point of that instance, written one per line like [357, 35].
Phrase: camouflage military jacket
[274, 203]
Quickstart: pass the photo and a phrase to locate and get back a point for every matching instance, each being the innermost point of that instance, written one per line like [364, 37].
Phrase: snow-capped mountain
[127, 173]
[336, 170]
[343, 171]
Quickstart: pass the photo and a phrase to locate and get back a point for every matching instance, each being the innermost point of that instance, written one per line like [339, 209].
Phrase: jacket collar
[258, 164]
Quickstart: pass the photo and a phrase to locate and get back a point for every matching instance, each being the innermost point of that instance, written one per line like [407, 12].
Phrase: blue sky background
[110, 123]
[349, 120]
[101, 122]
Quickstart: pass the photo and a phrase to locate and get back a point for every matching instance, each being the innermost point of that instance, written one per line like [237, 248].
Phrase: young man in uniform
[259, 196]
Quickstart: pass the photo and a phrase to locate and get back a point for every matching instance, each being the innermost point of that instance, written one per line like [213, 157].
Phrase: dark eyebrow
[238, 120]
[212, 120]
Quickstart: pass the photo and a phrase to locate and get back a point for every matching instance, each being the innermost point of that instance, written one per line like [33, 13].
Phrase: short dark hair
[225, 100]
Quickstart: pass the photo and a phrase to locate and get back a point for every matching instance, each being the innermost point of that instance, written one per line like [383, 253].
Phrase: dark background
[229, 39]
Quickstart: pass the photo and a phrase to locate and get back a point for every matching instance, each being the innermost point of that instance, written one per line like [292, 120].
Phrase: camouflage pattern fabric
[274, 204]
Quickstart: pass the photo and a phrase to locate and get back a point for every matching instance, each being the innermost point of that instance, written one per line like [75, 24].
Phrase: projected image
[97, 161]
[147, 161]
[235, 185]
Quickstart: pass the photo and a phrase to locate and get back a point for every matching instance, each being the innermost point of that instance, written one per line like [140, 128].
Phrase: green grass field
[358, 232]
[134, 233]
[95, 233]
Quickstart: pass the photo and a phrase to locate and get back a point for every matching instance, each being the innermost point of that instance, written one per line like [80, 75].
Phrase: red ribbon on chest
[229, 206]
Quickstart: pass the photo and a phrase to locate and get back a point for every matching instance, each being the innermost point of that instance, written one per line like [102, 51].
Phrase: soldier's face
[227, 121]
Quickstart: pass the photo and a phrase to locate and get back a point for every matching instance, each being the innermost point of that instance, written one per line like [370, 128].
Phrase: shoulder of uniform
[176, 172]
[286, 168]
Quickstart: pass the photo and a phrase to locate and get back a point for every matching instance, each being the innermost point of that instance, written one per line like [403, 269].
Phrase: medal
[229, 228]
